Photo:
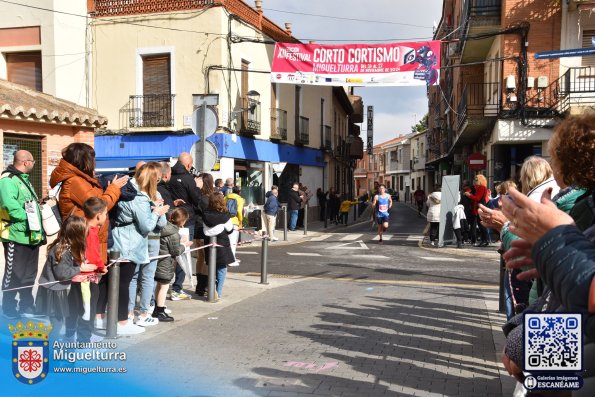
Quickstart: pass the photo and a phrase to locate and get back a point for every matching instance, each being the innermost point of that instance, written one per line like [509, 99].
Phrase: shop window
[12, 143]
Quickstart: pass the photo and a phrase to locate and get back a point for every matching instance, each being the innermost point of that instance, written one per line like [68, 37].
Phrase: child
[169, 244]
[217, 222]
[344, 209]
[95, 210]
[65, 260]
[459, 223]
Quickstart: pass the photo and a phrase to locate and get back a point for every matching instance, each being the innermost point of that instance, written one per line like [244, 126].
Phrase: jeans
[221, 273]
[293, 217]
[180, 274]
[508, 304]
[145, 273]
[434, 230]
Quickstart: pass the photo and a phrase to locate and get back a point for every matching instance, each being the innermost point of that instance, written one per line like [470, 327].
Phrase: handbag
[50, 222]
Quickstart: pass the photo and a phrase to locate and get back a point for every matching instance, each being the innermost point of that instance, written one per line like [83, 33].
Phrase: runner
[382, 204]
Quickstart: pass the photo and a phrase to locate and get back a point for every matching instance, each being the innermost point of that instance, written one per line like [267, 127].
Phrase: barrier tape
[111, 263]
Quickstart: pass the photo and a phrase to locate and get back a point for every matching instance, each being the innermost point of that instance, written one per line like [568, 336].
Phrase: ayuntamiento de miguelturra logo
[30, 351]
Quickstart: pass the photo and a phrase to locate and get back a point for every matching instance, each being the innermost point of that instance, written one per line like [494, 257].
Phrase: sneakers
[180, 296]
[10, 315]
[27, 312]
[161, 316]
[147, 321]
[234, 264]
[274, 239]
[130, 329]
[100, 323]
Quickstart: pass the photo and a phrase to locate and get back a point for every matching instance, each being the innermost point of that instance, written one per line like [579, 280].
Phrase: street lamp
[253, 98]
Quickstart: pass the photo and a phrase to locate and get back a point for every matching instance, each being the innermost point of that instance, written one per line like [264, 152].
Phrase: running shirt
[382, 203]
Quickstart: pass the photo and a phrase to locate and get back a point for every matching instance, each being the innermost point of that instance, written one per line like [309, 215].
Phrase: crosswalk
[358, 236]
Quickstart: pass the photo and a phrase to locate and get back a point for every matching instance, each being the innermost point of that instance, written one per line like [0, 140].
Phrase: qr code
[553, 342]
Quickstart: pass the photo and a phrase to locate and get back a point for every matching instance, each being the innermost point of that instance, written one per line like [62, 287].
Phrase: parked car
[393, 194]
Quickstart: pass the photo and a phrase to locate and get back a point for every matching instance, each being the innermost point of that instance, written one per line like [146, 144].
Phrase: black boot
[160, 314]
[459, 244]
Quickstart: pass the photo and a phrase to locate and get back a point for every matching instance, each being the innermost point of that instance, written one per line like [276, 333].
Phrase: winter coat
[271, 206]
[165, 193]
[169, 244]
[458, 215]
[433, 204]
[294, 201]
[537, 191]
[346, 205]
[238, 219]
[480, 196]
[219, 224]
[199, 223]
[76, 188]
[134, 222]
[62, 271]
[183, 186]
[13, 195]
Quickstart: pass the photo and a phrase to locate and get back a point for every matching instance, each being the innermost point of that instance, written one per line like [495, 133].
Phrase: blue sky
[395, 108]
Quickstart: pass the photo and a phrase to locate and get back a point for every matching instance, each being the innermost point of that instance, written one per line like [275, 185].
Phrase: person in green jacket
[21, 233]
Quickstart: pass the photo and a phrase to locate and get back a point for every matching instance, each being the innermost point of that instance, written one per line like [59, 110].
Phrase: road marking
[350, 237]
[440, 259]
[303, 254]
[369, 256]
[240, 252]
[321, 237]
[414, 237]
[348, 246]
[385, 237]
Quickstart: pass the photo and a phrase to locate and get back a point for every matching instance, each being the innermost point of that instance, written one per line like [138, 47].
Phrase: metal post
[201, 143]
[501, 303]
[212, 269]
[325, 216]
[264, 257]
[355, 213]
[113, 293]
[306, 219]
[284, 222]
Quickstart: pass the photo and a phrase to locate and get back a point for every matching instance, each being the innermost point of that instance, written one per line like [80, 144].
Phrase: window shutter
[25, 68]
[588, 35]
[156, 75]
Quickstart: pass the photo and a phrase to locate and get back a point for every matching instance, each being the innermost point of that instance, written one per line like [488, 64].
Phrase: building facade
[267, 133]
[494, 97]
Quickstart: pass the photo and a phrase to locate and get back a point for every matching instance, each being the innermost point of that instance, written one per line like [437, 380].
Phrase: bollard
[212, 269]
[264, 256]
[285, 223]
[306, 219]
[355, 213]
[325, 216]
[113, 292]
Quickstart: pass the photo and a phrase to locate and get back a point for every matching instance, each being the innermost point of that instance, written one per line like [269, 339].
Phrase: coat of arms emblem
[30, 351]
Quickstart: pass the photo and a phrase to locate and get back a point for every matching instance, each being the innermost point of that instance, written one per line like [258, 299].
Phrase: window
[588, 36]
[401, 183]
[157, 101]
[25, 68]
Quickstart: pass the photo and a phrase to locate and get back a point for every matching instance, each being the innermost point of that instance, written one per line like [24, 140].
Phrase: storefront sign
[393, 64]
[370, 135]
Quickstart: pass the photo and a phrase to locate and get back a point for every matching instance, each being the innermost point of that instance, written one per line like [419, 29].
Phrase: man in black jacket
[293, 205]
[183, 187]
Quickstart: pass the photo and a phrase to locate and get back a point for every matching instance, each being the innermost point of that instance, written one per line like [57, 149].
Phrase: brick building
[494, 96]
[43, 125]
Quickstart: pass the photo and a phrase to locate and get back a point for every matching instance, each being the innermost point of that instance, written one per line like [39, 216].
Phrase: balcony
[250, 118]
[149, 111]
[327, 142]
[574, 4]
[573, 92]
[302, 136]
[279, 124]
[478, 109]
[480, 16]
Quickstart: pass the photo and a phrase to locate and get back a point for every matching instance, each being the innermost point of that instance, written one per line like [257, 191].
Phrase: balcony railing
[250, 118]
[279, 124]
[303, 130]
[151, 110]
[479, 100]
[485, 8]
[327, 142]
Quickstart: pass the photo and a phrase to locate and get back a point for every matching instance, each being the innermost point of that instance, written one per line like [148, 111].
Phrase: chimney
[258, 5]
[288, 28]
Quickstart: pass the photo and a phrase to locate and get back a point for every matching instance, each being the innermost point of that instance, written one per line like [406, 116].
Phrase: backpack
[232, 206]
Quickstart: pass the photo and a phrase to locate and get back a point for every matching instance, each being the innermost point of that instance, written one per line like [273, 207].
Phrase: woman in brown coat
[76, 172]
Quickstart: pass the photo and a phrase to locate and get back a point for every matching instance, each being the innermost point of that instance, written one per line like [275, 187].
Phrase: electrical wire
[347, 18]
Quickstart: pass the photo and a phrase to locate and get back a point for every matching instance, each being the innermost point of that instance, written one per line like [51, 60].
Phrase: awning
[122, 164]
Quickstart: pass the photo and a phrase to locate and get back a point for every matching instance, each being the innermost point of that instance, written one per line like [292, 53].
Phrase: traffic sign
[477, 162]
[211, 155]
[210, 121]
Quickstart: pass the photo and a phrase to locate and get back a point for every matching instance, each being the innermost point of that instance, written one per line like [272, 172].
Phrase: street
[357, 319]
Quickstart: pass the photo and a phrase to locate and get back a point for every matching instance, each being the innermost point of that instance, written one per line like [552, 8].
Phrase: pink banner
[415, 63]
